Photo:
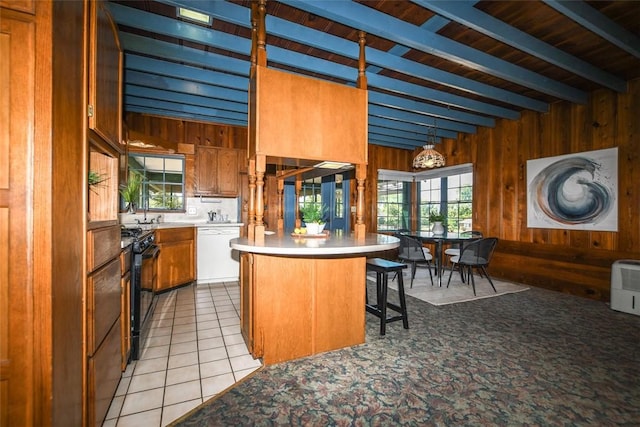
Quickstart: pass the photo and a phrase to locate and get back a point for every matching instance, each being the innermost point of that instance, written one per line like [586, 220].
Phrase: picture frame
[574, 191]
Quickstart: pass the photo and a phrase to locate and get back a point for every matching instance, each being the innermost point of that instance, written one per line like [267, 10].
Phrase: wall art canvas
[575, 191]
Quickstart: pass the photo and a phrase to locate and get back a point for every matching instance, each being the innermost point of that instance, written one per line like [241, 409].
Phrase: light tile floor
[194, 351]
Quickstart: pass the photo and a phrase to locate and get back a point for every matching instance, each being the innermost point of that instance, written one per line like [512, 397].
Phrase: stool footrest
[374, 309]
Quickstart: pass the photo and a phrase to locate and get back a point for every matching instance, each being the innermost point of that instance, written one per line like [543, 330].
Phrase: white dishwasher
[217, 262]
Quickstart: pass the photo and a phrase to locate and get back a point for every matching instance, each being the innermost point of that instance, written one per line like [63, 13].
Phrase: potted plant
[436, 219]
[95, 180]
[313, 216]
[131, 192]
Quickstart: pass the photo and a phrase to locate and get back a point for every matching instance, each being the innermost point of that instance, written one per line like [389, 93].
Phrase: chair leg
[450, 274]
[473, 282]
[430, 275]
[413, 273]
[488, 277]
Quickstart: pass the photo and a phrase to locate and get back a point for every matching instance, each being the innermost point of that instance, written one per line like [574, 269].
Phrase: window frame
[413, 180]
[144, 202]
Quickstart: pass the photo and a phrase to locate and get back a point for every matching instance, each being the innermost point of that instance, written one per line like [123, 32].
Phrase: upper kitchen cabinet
[105, 77]
[217, 172]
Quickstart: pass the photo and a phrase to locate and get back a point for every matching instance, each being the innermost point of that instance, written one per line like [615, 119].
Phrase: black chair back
[410, 249]
[479, 252]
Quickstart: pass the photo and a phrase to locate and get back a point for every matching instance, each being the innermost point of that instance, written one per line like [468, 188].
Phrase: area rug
[457, 291]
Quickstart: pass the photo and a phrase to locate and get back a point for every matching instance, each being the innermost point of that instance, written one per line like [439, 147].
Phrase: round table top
[429, 236]
[335, 244]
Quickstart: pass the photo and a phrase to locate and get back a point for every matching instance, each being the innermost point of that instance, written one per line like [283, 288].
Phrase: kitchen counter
[301, 245]
[304, 295]
[182, 224]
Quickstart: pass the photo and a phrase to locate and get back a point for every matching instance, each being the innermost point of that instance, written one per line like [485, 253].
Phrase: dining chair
[411, 251]
[476, 254]
[455, 251]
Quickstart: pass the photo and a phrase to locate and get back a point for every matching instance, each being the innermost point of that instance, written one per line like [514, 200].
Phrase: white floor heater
[625, 286]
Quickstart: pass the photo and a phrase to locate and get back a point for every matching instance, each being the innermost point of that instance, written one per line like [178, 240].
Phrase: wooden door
[246, 303]
[17, 38]
[227, 169]
[206, 175]
[175, 264]
[176, 261]
[105, 115]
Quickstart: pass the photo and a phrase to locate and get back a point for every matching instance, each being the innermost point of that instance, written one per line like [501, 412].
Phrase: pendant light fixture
[429, 158]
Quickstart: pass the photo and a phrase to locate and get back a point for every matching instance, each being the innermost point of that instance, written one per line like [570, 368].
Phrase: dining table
[439, 240]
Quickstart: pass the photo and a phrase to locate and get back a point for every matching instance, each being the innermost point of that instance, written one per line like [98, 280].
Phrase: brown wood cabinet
[105, 76]
[103, 320]
[176, 261]
[217, 172]
[104, 375]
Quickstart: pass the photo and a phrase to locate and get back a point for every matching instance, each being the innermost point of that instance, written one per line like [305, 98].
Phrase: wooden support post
[361, 169]
[361, 177]
[280, 205]
[261, 165]
[252, 200]
[295, 206]
[261, 41]
[361, 83]
[254, 36]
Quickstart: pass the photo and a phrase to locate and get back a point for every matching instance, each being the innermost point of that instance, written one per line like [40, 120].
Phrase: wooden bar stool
[382, 268]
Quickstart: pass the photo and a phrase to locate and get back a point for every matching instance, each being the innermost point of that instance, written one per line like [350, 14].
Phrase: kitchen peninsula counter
[302, 245]
[304, 295]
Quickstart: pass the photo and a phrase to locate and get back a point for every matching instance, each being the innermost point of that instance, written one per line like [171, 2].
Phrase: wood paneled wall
[576, 262]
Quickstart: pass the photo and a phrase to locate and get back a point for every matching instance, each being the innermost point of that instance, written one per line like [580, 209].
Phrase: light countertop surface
[335, 244]
[161, 225]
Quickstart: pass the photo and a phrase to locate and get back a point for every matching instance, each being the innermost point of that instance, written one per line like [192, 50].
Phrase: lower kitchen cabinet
[103, 343]
[176, 261]
[104, 374]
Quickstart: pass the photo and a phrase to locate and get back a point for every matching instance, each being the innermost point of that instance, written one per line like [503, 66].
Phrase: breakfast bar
[304, 295]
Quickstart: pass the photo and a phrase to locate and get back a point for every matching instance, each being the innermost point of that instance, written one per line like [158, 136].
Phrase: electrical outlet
[192, 211]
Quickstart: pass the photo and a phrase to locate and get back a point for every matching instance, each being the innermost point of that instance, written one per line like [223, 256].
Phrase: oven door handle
[151, 252]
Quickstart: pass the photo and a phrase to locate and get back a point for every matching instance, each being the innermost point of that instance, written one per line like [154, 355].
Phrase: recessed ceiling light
[193, 15]
[332, 165]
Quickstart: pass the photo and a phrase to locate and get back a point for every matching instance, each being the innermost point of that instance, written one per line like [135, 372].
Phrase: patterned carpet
[537, 358]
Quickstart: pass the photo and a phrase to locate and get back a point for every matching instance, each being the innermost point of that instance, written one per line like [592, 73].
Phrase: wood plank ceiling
[452, 65]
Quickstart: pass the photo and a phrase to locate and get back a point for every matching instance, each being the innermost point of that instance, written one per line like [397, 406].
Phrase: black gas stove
[139, 238]
[144, 256]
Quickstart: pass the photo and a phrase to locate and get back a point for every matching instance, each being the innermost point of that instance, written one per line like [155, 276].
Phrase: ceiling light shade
[428, 157]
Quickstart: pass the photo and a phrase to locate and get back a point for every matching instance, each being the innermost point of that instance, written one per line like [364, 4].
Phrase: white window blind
[391, 175]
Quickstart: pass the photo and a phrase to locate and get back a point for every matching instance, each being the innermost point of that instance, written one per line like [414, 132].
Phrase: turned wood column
[361, 169]
[295, 204]
[361, 83]
[361, 177]
[280, 205]
[260, 171]
[261, 33]
[251, 214]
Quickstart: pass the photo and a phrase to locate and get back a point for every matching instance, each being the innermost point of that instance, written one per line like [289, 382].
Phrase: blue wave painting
[574, 191]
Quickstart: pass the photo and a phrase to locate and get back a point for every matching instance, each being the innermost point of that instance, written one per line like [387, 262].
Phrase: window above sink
[163, 181]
